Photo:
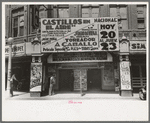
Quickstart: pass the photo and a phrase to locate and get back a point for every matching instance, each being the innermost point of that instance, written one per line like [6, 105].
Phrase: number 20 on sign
[108, 40]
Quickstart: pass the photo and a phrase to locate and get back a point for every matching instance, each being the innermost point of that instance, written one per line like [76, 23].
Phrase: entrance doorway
[66, 80]
[94, 79]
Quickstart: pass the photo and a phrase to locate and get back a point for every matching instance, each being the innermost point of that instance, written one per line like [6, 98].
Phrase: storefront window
[135, 71]
[143, 71]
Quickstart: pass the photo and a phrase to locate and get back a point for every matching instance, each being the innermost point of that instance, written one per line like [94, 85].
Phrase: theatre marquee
[79, 34]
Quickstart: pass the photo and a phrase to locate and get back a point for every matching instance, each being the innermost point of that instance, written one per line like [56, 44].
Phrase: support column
[36, 76]
[9, 90]
[125, 75]
[36, 69]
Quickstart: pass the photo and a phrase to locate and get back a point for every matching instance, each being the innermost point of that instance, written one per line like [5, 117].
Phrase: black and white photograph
[75, 61]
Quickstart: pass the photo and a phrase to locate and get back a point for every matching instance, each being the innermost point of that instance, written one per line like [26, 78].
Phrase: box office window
[18, 22]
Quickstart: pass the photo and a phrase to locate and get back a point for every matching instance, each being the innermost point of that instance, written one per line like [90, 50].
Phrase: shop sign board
[125, 75]
[138, 45]
[16, 49]
[36, 77]
[79, 34]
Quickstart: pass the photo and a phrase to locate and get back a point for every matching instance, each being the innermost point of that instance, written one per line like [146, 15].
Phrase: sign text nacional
[79, 34]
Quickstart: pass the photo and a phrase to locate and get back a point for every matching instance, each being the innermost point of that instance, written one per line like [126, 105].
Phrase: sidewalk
[73, 95]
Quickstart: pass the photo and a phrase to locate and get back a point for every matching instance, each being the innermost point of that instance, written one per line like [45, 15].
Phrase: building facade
[57, 39]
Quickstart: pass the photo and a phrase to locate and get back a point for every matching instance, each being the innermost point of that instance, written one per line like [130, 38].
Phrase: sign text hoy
[108, 37]
[98, 34]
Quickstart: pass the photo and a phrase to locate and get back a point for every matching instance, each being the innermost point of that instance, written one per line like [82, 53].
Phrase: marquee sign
[79, 34]
[80, 56]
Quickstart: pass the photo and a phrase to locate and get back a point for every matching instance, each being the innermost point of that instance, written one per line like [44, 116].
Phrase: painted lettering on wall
[79, 34]
[16, 49]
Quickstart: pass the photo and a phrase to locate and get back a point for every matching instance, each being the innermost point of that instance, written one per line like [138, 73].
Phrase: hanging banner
[36, 77]
[125, 75]
[79, 34]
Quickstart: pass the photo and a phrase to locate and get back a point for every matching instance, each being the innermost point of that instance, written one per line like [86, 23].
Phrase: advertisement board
[17, 49]
[137, 45]
[36, 77]
[79, 34]
[125, 75]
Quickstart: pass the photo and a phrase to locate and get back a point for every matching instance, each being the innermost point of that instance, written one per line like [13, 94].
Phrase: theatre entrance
[94, 80]
[66, 80]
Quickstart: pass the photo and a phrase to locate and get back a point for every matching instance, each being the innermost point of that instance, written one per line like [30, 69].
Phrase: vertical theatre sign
[125, 75]
[36, 77]
[79, 34]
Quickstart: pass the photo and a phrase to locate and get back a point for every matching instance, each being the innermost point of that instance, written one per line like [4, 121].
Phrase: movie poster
[125, 75]
[36, 77]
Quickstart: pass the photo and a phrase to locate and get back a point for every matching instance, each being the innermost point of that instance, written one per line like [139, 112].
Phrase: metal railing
[138, 82]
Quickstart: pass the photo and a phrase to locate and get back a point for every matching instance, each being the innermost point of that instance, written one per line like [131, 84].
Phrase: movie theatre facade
[83, 53]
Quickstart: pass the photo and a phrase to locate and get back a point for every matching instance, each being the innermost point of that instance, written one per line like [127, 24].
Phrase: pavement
[73, 95]
[102, 106]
